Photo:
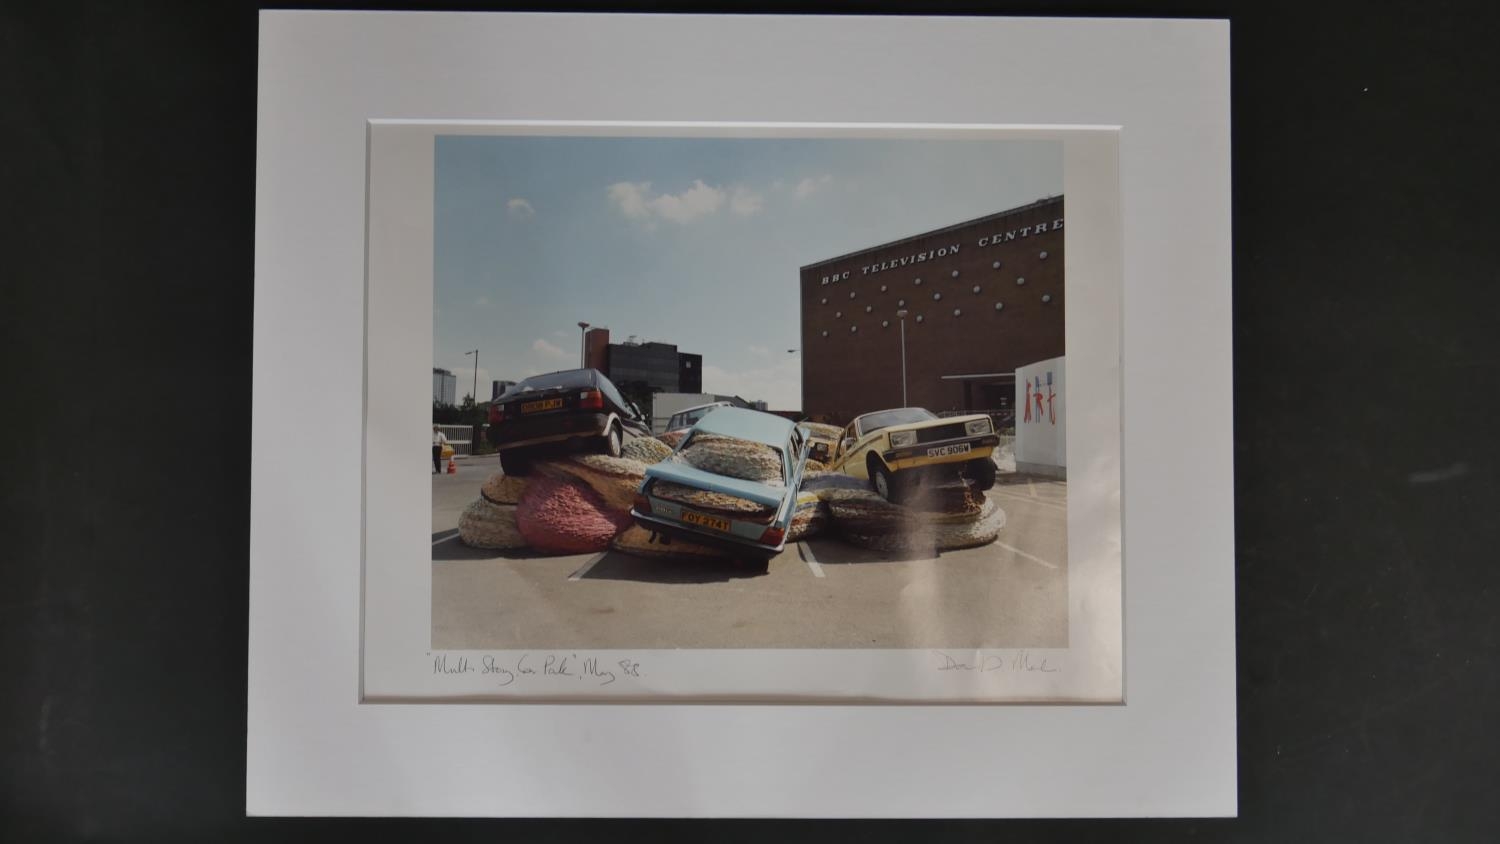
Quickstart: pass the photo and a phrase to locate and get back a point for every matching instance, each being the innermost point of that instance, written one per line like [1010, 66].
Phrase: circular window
[869, 308]
[853, 328]
[998, 306]
[825, 334]
[1047, 298]
[1043, 256]
[976, 288]
[885, 323]
[838, 314]
[919, 317]
[918, 281]
[957, 312]
[882, 288]
[1020, 281]
[825, 301]
[936, 296]
[955, 273]
[900, 303]
[996, 265]
[851, 294]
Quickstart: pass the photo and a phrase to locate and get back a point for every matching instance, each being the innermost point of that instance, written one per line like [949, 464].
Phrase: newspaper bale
[717, 503]
[500, 488]
[559, 516]
[809, 519]
[734, 458]
[823, 483]
[672, 439]
[614, 479]
[933, 536]
[646, 449]
[485, 524]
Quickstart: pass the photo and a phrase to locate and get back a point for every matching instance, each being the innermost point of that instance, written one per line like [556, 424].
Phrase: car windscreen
[887, 418]
[572, 379]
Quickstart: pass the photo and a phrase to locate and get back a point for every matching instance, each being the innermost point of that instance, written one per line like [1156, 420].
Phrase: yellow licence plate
[546, 404]
[705, 521]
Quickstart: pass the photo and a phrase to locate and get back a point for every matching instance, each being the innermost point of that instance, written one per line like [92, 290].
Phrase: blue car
[756, 527]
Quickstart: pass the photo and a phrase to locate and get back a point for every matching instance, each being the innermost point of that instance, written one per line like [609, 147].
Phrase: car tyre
[612, 442]
[981, 472]
[515, 462]
[884, 482]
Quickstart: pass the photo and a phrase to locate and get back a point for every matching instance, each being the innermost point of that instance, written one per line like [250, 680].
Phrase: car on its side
[688, 417]
[900, 450]
[571, 410]
[757, 535]
[821, 440]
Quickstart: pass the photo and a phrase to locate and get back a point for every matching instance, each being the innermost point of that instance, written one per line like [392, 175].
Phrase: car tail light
[642, 503]
[591, 400]
[773, 535]
[497, 414]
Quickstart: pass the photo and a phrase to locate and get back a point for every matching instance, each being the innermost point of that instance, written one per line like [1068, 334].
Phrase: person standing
[439, 439]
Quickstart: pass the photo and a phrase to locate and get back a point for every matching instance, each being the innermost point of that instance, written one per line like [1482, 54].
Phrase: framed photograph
[830, 463]
[793, 411]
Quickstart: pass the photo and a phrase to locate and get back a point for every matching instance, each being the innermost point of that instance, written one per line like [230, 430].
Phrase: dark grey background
[1365, 324]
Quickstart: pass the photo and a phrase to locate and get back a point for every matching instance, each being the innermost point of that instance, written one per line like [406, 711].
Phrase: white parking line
[807, 557]
[1018, 551]
[1041, 502]
[588, 565]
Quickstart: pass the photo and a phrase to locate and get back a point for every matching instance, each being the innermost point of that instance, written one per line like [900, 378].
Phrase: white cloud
[519, 208]
[779, 382]
[759, 350]
[482, 301]
[637, 202]
[549, 351]
[744, 201]
[809, 186]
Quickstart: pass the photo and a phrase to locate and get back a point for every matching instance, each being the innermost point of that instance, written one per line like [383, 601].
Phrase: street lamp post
[474, 390]
[583, 345]
[902, 316]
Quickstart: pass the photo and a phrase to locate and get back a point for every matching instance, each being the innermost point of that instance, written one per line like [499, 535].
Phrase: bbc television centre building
[982, 298]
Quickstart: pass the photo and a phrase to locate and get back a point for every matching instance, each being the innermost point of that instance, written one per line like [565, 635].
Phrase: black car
[571, 410]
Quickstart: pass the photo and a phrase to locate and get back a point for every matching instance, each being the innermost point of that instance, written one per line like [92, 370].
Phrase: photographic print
[758, 396]
[748, 393]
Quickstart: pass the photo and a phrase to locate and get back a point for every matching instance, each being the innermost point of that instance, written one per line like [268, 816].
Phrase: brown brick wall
[847, 373]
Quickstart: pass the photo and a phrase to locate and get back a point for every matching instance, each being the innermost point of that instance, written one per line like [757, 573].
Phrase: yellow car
[900, 450]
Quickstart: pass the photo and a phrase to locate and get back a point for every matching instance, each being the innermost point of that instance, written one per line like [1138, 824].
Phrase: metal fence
[460, 437]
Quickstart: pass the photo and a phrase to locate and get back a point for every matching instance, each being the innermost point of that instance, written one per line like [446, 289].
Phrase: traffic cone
[452, 467]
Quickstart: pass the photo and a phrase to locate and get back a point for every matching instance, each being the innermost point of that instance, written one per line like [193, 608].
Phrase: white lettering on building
[945, 251]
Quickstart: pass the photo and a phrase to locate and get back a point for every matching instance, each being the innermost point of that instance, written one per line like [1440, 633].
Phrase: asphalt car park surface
[820, 593]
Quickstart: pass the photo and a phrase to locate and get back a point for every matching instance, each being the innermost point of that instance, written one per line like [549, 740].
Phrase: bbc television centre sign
[944, 251]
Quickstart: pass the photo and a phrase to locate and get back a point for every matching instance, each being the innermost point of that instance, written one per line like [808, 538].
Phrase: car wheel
[515, 462]
[611, 442]
[981, 472]
[882, 481]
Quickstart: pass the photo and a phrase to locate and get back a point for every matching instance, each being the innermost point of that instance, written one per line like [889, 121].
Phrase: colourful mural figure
[1051, 401]
[1027, 405]
[1038, 395]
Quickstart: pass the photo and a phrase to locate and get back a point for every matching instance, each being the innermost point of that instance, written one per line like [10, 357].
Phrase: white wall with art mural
[1041, 413]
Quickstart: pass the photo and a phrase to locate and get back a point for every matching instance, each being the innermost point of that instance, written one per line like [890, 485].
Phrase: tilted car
[571, 410]
[755, 530]
[900, 450]
[688, 417]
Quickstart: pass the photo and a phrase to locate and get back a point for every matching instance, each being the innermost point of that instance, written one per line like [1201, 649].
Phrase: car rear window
[571, 379]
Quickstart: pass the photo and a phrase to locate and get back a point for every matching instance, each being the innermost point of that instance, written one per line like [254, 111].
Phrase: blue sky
[692, 241]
